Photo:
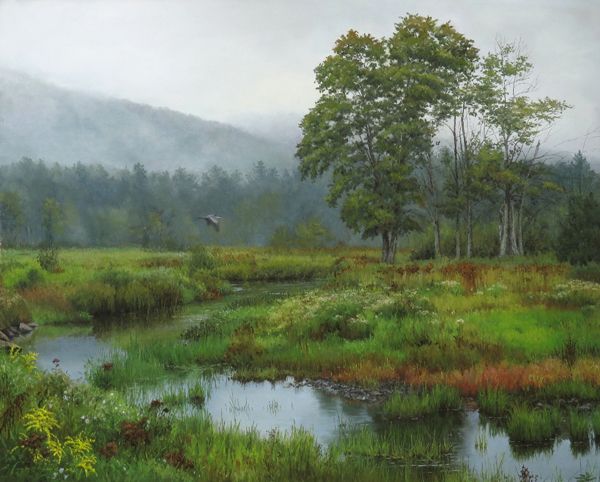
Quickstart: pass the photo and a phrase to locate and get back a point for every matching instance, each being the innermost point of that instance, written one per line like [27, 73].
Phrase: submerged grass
[400, 446]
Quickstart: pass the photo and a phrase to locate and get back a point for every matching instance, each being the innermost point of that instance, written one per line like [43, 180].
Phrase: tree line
[85, 205]
[81, 205]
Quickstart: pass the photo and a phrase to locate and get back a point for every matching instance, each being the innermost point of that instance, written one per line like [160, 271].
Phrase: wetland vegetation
[516, 339]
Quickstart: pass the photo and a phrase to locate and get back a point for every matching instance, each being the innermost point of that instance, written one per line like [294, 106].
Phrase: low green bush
[201, 259]
[23, 278]
[588, 272]
[343, 319]
[49, 260]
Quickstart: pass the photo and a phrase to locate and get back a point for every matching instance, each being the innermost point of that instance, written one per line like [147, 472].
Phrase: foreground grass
[52, 428]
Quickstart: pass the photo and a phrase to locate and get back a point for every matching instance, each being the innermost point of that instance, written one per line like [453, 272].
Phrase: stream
[267, 406]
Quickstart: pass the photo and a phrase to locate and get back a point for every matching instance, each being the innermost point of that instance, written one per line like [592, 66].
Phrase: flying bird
[212, 220]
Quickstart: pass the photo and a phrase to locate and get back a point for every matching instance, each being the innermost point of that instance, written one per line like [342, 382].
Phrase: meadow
[518, 339]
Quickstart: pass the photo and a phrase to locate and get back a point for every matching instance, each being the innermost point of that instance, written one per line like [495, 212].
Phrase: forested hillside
[39, 120]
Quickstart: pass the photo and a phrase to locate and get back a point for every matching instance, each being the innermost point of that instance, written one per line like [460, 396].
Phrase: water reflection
[555, 459]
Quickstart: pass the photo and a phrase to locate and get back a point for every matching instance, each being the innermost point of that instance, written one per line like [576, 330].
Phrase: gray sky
[250, 61]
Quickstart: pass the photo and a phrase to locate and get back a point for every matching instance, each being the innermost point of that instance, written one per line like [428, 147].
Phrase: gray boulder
[25, 328]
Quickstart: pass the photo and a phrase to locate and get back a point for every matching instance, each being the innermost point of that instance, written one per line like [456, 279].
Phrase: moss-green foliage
[23, 277]
[423, 403]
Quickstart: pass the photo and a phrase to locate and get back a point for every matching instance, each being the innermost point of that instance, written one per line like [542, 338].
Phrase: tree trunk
[520, 243]
[469, 229]
[457, 236]
[388, 248]
[504, 223]
[437, 238]
[514, 247]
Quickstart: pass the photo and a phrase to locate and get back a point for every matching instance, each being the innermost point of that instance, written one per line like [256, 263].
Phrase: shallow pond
[281, 406]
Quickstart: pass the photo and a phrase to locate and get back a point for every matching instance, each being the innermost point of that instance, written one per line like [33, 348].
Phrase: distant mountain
[42, 121]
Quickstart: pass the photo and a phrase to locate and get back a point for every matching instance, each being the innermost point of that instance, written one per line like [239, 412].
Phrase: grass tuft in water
[529, 426]
[578, 427]
[493, 402]
[427, 448]
[413, 405]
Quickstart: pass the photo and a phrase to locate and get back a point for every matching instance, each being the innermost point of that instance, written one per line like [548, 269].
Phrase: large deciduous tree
[378, 110]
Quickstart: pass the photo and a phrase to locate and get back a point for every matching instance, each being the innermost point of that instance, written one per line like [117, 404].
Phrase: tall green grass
[529, 426]
[419, 404]
[579, 428]
[493, 402]
[400, 446]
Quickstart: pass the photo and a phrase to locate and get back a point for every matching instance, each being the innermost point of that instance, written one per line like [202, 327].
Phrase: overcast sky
[249, 61]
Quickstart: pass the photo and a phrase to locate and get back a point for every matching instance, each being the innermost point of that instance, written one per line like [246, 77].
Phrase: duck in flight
[212, 220]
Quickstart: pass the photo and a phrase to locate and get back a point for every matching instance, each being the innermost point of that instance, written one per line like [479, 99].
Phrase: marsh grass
[401, 446]
[579, 427]
[493, 402]
[529, 426]
[567, 390]
[423, 403]
[139, 362]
